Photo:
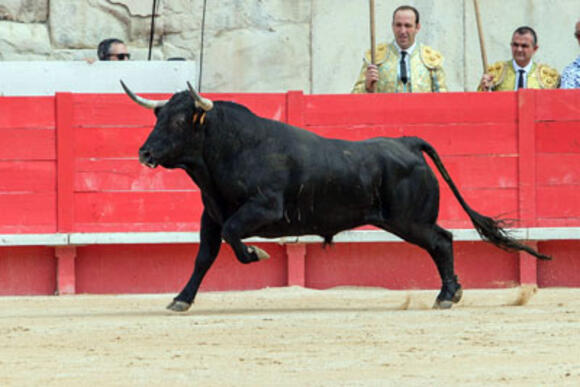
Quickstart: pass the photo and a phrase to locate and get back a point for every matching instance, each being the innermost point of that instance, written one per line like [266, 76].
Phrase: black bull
[264, 178]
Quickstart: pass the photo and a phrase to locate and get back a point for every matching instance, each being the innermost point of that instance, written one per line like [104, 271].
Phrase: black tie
[403, 68]
[521, 79]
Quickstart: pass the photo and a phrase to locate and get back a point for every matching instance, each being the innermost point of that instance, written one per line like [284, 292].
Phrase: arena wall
[79, 214]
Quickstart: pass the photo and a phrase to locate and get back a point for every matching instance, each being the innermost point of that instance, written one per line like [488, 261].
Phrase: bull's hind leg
[439, 244]
[244, 222]
[442, 253]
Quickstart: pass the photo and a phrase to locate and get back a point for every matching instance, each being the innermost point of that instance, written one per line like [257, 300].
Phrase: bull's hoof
[442, 304]
[261, 254]
[447, 304]
[178, 306]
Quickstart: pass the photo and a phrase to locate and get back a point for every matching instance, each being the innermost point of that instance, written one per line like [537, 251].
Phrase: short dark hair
[527, 30]
[407, 8]
[105, 46]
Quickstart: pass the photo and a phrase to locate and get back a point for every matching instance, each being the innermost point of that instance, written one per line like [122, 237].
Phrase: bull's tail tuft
[490, 230]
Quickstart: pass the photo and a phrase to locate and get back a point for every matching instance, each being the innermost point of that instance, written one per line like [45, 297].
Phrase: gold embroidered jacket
[540, 76]
[426, 70]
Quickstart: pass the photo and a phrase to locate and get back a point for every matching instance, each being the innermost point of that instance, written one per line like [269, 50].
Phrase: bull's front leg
[246, 220]
[209, 246]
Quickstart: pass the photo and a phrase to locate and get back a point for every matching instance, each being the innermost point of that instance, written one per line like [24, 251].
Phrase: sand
[293, 336]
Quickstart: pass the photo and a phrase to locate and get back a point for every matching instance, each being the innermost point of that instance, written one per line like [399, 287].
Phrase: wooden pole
[372, 26]
[481, 40]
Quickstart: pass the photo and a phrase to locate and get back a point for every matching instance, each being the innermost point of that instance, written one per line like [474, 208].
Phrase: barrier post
[64, 162]
[65, 270]
[65, 256]
[526, 105]
[296, 253]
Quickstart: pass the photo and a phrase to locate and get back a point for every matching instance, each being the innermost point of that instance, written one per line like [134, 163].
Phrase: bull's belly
[325, 225]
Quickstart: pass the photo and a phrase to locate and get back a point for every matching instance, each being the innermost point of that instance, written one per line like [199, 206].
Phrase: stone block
[19, 41]
[258, 60]
[24, 11]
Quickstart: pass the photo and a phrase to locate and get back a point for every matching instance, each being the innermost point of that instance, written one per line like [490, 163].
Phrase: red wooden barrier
[68, 164]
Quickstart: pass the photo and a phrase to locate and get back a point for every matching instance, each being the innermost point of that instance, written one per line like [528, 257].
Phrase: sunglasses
[120, 56]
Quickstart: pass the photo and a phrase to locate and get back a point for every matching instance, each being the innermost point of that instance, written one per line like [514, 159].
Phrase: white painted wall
[47, 77]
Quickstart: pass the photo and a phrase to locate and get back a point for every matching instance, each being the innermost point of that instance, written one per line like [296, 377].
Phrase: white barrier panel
[47, 78]
[351, 236]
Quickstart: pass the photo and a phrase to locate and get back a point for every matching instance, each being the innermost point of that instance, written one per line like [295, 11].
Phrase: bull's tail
[489, 229]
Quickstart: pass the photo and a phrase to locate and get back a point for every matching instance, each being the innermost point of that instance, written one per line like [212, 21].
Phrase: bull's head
[173, 130]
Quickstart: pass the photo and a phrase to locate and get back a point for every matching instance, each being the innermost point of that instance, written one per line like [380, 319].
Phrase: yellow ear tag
[202, 119]
[194, 118]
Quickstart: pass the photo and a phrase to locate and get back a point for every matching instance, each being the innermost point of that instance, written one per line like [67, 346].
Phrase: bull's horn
[148, 103]
[204, 103]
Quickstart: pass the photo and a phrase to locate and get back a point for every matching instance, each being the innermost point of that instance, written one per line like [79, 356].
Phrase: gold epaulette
[498, 70]
[380, 54]
[548, 77]
[431, 58]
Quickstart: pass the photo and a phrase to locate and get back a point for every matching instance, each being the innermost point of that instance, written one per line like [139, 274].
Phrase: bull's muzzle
[146, 158]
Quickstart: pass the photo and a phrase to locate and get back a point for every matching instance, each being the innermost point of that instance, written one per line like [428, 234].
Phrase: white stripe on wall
[351, 236]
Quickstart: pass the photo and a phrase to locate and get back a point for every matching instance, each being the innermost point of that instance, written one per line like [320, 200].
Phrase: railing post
[65, 153]
[526, 104]
[64, 162]
[296, 252]
[65, 269]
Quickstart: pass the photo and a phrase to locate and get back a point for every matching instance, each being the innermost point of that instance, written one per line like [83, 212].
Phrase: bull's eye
[179, 122]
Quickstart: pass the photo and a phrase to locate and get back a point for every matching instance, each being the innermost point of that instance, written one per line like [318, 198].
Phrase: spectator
[521, 71]
[571, 74]
[113, 49]
[403, 65]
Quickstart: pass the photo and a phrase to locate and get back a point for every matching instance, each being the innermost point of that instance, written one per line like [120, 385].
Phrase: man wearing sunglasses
[520, 72]
[113, 49]
[571, 74]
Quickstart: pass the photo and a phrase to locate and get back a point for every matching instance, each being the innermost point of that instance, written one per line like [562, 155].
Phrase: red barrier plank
[28, 212]
[94, 175]
[393, 266]
[558, 105]
[409, 108]
[558, 202]
[90, 110]
[27, 270]
[166, 268]
[468, 139]
[119, 110]
[268, 105]
[110, 142]
[145, 211]
[482, 265]
[490, 202]
[558, 169]
[558, 137]
[27, 144]
[564, 269]
[461, 139]
[27, 112]
[481, 171]
[405, 266]
[27, 176]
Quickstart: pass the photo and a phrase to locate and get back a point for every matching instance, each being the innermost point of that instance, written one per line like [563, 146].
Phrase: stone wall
[278, 45]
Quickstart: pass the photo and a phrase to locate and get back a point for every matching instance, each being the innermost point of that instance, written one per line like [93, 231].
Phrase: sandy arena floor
[293, 336]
